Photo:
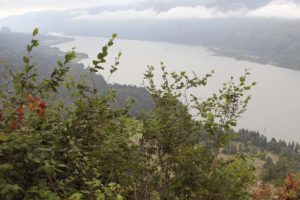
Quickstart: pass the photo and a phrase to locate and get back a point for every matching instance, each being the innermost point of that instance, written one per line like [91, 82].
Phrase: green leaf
[29, 48]
[3, 137]
[99, 195]
[104, 49]
[26, 59]
[70, 56]
[93, 70]
[114, 36]
[110, 43]
[59, 63]
[35, 32]
[76, 196]
[28, 68]
[210, 116]
[35, 43]
[100, 56]
[242, 79]
[95, 62]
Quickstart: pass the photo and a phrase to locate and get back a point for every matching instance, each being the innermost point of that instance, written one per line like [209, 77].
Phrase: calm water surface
[275, 106]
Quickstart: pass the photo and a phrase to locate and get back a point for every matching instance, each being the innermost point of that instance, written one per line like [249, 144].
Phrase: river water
[275, 106]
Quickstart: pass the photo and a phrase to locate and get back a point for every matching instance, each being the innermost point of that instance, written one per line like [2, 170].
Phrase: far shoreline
[216, 51]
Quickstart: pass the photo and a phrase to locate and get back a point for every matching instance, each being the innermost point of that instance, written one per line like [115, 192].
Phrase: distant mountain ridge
[263, 40]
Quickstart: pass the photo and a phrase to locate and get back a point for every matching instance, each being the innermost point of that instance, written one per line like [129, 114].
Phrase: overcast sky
[286, 9]
[13, 7]
[280, 9]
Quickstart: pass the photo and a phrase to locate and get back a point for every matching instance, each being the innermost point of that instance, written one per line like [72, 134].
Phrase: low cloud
[181, 12]
[198, 12]
[119, 15]
[280, 9]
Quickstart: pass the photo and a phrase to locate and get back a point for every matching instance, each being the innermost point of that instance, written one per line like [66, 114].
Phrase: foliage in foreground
[289, 190]
[91, 149]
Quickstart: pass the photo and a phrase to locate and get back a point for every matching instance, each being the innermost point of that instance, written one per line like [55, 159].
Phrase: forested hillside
[273, 158]
[12, 51]
[90, 147]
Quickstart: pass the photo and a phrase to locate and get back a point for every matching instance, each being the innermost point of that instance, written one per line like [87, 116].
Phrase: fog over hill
[223, 4]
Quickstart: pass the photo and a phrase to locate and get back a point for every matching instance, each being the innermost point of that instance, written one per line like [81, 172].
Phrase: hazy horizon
[153, 9]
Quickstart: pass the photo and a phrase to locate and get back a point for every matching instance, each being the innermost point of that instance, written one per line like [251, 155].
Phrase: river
[275, 106]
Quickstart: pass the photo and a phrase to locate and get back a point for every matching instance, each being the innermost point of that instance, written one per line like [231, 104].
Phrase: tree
[268, 170]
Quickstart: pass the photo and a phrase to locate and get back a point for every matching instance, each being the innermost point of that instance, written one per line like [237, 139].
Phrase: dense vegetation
[91, 148]
[273, 170]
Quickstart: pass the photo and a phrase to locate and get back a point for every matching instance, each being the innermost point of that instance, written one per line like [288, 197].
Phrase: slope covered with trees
[12, 51]
[273, 170]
